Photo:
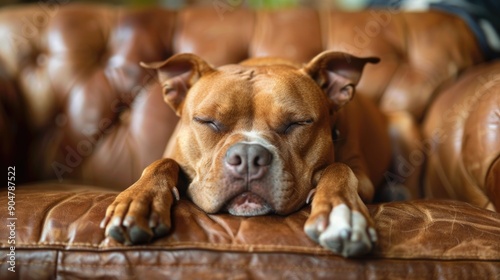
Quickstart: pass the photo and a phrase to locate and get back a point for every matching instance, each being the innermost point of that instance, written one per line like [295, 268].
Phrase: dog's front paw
[341, 229]
[138, 215]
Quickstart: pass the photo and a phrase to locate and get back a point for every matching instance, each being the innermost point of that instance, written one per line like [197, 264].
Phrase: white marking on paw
[339, 226]
[347, 233]
[341, 216]
[175, 192]
[359, 225]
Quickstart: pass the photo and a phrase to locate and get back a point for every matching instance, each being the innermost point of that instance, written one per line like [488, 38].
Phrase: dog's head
[255, 137]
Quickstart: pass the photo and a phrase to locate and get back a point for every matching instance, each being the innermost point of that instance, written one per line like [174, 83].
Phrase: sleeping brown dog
[264, 137]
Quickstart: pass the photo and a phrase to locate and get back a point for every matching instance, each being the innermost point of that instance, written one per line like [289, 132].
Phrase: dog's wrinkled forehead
[272, 79]
[334, 73]
[249, 91]
[259, 72]
[242, 72]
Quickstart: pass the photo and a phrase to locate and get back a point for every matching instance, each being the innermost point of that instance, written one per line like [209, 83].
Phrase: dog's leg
[142, 211]
[339, 219]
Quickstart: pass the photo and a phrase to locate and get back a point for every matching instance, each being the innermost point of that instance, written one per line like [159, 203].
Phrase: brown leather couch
[79, 120]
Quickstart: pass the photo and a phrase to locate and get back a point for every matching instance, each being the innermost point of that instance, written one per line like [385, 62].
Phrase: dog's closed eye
[211, 123]
[291, 126]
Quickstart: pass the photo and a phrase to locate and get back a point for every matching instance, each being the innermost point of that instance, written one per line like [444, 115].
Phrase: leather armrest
[461, 133]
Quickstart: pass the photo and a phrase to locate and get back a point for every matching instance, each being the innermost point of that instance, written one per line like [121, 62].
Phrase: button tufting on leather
[42, 60]
[125, 117]
[77, 66]
[61, 120]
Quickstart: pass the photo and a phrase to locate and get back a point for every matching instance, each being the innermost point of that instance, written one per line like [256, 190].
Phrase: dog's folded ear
[177, 75]
[337, 74]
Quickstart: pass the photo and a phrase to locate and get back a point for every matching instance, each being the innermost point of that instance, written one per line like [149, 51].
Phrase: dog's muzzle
[247, 164]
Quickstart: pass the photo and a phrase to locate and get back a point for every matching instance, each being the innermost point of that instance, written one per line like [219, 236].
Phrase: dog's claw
[104, 222]
[128, 222]
[310, 196]
[137, 219]
[116, 221]
[175, 192]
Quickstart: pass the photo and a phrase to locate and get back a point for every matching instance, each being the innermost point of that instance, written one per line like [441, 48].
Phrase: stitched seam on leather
[176, 246]
[253, 249]
[216, 266]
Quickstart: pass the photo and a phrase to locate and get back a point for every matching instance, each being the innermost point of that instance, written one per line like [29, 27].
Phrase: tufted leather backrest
[85, 110]
[89, 107]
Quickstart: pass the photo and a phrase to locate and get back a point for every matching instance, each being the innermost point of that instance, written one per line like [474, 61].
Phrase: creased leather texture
[75, 106]
[60, 234]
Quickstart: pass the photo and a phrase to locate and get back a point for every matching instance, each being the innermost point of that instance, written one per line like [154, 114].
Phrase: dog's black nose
[248, 160]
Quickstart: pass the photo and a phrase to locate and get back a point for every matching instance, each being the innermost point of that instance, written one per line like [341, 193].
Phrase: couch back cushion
[86, 111]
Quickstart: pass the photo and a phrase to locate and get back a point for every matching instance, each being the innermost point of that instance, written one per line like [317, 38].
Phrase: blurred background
[178, 4]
